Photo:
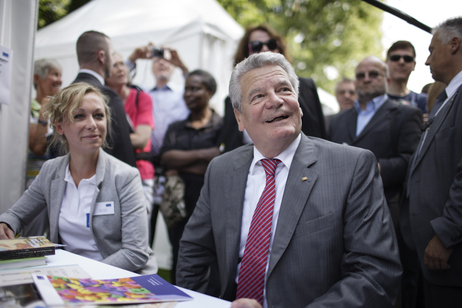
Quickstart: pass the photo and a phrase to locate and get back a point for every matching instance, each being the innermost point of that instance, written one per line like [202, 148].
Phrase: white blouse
[74, 217]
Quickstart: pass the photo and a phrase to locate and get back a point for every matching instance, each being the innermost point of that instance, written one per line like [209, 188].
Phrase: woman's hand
[5, 232]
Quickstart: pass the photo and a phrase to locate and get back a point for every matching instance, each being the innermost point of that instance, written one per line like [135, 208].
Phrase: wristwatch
[44, 123]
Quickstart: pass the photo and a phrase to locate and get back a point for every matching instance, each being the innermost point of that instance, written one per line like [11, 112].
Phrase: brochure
[57, 291]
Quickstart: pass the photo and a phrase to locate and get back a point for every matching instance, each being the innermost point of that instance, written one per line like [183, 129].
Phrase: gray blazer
[434, 205]
[121, 238]
[334, 244]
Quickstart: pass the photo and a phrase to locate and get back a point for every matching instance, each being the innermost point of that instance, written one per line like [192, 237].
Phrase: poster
[6, 59]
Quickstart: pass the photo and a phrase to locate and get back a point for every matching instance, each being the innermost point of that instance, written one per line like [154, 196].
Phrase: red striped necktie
[253, 266]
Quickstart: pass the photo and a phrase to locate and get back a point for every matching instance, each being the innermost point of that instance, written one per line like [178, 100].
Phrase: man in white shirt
[168, 106]
[320, 232]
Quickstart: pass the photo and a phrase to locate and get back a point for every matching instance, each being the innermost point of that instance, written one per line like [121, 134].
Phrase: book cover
[20, 263]
[57, 291]
[24, 275]
[27, 247]
[24, 295]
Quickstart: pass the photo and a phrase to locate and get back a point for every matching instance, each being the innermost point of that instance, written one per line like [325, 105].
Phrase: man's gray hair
[449, 29]
[259, 60]
[342, 81]
[43, 66]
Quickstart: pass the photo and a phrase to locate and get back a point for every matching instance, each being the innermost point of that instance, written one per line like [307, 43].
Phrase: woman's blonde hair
[65, 103]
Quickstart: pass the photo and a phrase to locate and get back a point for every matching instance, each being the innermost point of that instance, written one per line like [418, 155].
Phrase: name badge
[104, 208]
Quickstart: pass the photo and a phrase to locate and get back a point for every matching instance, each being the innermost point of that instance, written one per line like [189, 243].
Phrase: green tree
[326, 38]
[53, 10]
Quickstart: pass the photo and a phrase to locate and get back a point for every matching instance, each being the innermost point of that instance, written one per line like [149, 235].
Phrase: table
[100, 270]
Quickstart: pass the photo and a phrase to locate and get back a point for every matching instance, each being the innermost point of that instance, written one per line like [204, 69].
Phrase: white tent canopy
[201, 31]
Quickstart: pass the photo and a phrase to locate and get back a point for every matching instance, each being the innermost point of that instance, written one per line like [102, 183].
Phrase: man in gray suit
[431, 219]
[330, 240]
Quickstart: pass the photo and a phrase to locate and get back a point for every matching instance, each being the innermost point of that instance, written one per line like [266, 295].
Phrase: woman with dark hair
[260, 38]
[190, 145]
[95, 202]
[263, 38]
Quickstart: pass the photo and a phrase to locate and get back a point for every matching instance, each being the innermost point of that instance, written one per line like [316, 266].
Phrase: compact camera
[157, 52]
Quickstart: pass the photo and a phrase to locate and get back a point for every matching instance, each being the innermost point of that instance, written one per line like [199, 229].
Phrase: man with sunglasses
[389, 129]
[401, 63]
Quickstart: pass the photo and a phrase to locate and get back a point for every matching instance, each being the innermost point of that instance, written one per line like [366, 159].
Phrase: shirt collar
[164, 88]
[373, 104]
[68, 177]
[286, 157]
[94, 74]
[454, 85]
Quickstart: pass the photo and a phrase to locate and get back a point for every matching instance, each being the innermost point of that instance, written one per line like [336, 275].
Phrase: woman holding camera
[95, 202]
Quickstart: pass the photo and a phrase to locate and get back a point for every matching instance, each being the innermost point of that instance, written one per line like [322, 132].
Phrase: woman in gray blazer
[95, 203]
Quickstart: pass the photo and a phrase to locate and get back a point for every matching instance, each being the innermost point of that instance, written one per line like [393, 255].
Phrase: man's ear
[455, 44]
[238, 115]
[102, 56]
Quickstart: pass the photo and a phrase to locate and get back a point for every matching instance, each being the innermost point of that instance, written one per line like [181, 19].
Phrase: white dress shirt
[74, 217]
[256, 182]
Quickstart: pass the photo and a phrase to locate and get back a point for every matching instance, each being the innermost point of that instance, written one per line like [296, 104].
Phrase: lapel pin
[304, 178]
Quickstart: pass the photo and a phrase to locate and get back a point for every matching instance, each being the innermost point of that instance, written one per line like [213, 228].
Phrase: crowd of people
[271, 205]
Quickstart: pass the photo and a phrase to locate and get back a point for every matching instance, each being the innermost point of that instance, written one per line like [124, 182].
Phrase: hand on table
[5, 232]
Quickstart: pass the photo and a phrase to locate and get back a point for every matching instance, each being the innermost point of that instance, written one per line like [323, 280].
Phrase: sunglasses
[396, 58]
[256, 46]
[371, 74]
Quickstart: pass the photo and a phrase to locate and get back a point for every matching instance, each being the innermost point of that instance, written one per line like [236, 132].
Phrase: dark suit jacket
[392, 135]
[120, 145]
[434, 205]
[334, 243]
[312, 120]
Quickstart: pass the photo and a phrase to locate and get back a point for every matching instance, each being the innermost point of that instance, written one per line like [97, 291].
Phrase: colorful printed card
[134, 290]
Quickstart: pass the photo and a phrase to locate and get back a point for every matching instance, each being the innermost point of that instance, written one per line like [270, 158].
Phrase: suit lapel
[434, 128]
[352, 120]
[58, 186]
[380, 115]
[295, 198]
[234, 202]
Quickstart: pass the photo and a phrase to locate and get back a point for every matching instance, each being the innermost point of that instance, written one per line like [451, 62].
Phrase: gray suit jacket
[334, 243]
[121, 238]
[434, 205]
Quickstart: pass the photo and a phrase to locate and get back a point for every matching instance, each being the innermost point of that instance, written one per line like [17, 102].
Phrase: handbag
[172, 206]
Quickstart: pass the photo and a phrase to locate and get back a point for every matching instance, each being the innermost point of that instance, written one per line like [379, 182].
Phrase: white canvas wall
[17, 30]
[202, 31]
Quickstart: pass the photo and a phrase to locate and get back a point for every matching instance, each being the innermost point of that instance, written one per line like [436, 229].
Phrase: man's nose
[274, 100]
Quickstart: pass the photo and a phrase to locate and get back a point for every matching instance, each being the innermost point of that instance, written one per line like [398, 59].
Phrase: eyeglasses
[257, 46]
[396, 58]
[371, 74]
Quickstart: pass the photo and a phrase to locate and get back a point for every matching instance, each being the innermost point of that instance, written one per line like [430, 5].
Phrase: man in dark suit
[431, 216]
[94, 53]
[320, 234]
[388, 129]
